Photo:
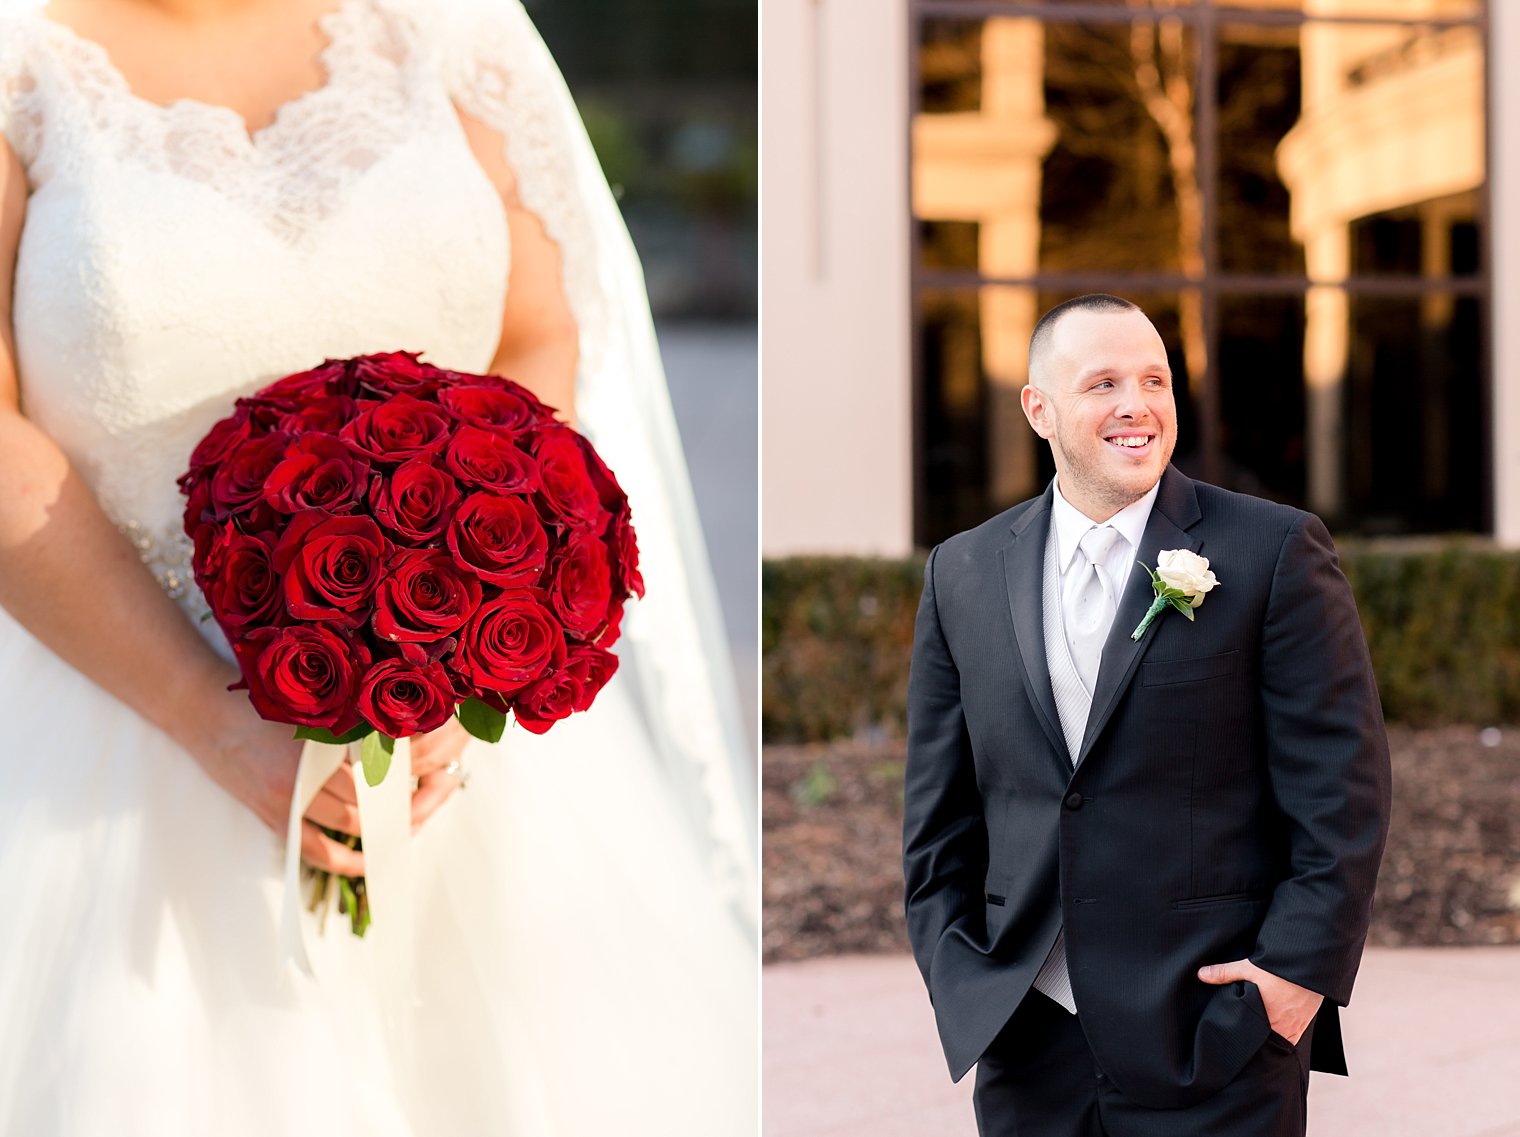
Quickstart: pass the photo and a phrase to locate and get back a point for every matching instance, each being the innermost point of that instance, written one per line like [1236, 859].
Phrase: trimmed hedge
[1442, 621]
[836, 634]
[1443, 624]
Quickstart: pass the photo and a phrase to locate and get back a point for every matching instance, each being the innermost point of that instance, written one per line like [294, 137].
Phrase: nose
[1131, 400]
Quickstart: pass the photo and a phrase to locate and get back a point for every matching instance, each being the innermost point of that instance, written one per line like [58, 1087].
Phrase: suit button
[1073, 801]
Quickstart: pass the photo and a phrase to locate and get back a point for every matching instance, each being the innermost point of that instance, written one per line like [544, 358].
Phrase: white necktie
[1087, 614]
[1089, 607]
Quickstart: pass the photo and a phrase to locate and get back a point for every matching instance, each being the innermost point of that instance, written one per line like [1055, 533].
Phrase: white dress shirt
[1068, 524]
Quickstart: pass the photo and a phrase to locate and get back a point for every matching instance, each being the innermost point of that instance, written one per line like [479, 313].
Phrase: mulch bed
[832, 844]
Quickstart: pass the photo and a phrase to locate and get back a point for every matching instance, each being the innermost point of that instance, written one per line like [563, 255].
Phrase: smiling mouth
[1134, 443]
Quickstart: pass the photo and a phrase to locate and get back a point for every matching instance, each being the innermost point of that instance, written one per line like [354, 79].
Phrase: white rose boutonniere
[1181, 579]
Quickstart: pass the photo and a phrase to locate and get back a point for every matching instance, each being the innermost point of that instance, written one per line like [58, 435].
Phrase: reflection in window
[1413, 391]
[1302, 191]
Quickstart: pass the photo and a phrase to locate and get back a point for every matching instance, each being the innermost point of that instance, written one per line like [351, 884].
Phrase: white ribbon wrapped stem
[385, 820]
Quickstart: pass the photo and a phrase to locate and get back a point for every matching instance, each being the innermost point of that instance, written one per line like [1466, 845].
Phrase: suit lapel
[1175, 511]
[1023, 572]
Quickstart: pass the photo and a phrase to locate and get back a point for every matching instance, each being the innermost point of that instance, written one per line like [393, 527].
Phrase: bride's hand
[256, 761]
[337, 804]
[432, 755]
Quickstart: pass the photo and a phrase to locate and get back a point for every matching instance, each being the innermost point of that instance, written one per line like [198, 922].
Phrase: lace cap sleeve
[20, 114]
[497, 69]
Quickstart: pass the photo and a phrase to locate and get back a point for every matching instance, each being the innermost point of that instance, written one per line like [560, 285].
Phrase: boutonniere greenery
[1181, 579]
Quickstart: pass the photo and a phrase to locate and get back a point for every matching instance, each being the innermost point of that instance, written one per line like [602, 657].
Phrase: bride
[197, 197]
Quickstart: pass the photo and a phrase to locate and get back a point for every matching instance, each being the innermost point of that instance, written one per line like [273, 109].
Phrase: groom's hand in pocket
[1290, 1008]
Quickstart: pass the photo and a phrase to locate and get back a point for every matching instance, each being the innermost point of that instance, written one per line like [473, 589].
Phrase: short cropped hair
[1039, 340]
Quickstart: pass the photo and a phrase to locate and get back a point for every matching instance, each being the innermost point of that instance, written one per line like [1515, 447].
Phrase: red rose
[488, 458]
[565, 489]
[580, 590]
[199, 511]
[210, 541]
[263, 414]
[416, 501]
[508, 406]
[453, 379]
[333, 377]
[423, 598]
[240, 581]
[540, 705]
[317, 472]
[510, 642]
[396, 373]
[326, 413]
[399, 428]
[331, 566]
[624, 548]
[572, 688]
[220, 440]
[614, 627]
[303, 675]
[608, 492]
[238, 484]
[499, 538]
[593, 666]
[402, 697]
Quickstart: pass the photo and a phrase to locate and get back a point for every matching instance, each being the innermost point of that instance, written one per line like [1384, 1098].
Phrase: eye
[1103, 385]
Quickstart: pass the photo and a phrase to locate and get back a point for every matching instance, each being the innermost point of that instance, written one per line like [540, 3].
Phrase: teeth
[1131, 443]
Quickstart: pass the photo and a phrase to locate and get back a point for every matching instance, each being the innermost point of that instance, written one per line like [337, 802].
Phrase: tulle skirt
[575, 972]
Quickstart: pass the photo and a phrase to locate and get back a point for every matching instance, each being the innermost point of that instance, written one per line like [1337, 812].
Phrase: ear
[1037, 410]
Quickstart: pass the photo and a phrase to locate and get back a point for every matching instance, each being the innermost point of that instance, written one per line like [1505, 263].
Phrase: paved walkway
[1433, 1040]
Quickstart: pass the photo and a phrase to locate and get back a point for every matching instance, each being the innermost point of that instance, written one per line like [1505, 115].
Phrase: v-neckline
[252, 138]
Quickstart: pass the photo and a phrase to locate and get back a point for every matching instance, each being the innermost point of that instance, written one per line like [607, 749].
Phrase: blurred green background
[668, 94]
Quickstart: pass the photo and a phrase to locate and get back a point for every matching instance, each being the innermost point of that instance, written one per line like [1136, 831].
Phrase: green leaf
[375, 756]
[322, 734]
[1184, 607]
[485, 723]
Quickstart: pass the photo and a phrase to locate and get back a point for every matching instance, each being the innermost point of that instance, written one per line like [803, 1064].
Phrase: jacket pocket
[1160, 672]
[1255, 896]
[995, 889]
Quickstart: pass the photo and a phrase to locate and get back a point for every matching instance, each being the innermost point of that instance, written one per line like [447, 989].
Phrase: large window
[1294, 190]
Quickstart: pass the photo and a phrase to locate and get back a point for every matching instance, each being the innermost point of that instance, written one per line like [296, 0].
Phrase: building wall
[836, 441]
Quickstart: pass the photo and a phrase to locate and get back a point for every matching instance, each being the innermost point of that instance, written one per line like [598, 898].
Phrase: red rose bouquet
[386, 544]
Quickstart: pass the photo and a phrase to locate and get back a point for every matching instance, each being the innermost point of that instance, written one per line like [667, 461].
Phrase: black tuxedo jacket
[1230, 801]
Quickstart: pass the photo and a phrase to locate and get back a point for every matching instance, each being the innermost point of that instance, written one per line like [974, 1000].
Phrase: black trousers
[1039, 1079]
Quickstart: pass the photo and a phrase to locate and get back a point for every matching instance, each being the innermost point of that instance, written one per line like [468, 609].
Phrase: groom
[1139, 871]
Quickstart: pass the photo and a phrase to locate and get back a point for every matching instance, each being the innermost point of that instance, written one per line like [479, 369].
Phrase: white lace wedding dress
[584, 936]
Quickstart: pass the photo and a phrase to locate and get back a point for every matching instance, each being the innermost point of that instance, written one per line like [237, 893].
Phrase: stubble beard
[1085, 482]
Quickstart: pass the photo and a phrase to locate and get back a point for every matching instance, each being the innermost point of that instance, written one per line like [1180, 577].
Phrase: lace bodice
[171, 262]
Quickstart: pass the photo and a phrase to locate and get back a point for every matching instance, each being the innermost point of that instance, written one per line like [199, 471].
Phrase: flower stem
[1158, 605]
[321, 880]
